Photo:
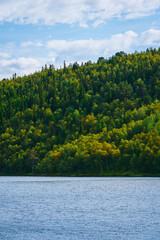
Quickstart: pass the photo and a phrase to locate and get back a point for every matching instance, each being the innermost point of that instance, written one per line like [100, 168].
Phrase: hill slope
[97, 118]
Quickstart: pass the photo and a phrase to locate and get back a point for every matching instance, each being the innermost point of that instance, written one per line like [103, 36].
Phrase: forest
[89, 119]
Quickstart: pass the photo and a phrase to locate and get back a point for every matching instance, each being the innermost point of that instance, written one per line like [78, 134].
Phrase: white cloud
[26, 44]
[91, 49]
[21, 66]
[98, 22]
[50, 12]
[151, 37]
[4, 55]
[30, 43]
[56, 51]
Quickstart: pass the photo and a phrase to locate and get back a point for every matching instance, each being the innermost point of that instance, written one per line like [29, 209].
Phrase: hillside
[96, 119]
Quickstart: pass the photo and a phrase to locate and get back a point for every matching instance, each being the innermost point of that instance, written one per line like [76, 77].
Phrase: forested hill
[94, 119]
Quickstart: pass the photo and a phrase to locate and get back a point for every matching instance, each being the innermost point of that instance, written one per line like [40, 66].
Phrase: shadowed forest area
[91, 119]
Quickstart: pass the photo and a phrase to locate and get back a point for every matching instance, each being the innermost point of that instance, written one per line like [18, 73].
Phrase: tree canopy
[94, 118]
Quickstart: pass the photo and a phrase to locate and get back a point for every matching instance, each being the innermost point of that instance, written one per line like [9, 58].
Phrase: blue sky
[39, 32]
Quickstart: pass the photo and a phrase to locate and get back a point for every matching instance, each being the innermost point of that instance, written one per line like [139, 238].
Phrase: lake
[68, 208]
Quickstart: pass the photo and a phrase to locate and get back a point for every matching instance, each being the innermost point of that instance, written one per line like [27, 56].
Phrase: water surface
[62, 208]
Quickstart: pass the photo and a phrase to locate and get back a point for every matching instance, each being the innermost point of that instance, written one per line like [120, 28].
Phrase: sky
[38, 32]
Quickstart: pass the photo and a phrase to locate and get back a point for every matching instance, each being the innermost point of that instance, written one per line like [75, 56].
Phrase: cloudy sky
[38, 32]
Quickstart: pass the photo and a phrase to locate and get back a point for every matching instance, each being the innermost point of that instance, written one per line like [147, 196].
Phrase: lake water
[62, 208]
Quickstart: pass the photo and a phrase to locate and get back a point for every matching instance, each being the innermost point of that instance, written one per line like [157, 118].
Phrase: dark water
[79, 208]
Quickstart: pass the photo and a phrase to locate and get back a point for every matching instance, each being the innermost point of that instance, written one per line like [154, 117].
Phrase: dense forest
[91, 119]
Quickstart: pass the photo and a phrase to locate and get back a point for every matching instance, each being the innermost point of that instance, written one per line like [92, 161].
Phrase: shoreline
[83, 175]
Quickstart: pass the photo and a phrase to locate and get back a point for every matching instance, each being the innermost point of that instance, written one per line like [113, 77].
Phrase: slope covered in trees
[97, 118]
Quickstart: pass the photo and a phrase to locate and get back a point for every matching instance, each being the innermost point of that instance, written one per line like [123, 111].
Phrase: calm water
[59, 208]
